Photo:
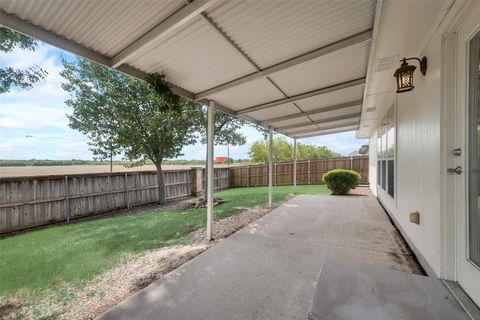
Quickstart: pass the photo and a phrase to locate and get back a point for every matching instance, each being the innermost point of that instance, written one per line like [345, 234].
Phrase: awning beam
[236, 47]
[315, 111]
[163, 29]
[304, 95]
[29, 29]
[350, 116]
[344, 125]
[321, 132]
[339, 45]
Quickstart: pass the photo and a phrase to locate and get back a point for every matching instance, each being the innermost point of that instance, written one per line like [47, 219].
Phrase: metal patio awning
[298, 67]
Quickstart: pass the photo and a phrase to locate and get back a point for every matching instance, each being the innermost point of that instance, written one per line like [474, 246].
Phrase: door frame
[458, 15]
[455, 211]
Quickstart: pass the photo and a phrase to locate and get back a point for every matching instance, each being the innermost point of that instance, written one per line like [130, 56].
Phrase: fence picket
[38, 200]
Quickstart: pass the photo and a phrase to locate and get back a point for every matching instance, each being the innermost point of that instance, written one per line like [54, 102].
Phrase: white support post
[210, 139]
[270, 171]
[294, 162]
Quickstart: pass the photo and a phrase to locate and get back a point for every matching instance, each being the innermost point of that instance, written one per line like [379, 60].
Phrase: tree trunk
[161, 184]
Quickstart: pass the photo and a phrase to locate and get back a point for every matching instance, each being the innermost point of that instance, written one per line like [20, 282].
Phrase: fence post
[35, 198]
[229, 176]
[127, 195]
[197, 181]
[67, 202]
[164, 185]
[248, 175]
[188, 181]
[308, 170]
[351, 163]
[274, 174]
[294, 162]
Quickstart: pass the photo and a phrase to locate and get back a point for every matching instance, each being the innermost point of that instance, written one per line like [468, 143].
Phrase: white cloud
[19, 58]
[45, 146]
[8, 122]
[42, 106]
[28, 115]
[40, 112]
[46, 89]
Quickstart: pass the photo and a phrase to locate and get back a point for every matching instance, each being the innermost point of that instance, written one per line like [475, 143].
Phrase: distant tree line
[283, 151]
[75, 162]
[45, 162]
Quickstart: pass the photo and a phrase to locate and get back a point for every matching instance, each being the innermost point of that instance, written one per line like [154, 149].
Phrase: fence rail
[308, 172]
[27, 202]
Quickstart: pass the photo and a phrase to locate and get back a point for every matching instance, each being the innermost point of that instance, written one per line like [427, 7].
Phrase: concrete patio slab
[269, 269]
[347, 291]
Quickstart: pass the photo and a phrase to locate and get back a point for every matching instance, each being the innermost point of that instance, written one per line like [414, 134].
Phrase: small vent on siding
[371, 109]
[386, 63]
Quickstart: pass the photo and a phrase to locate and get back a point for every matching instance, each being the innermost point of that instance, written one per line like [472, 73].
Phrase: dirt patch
[361, 191]
[134, 273]
[8, 307]
[407, 257]
[202, 203]
[225, 227]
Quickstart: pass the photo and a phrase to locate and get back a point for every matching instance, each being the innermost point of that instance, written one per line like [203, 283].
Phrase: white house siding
[417, 162]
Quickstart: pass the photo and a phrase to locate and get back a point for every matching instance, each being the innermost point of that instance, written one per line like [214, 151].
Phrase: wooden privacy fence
[308, 172]
[27, 202]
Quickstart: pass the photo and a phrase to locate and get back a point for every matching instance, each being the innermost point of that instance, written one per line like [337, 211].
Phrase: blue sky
[33, 122]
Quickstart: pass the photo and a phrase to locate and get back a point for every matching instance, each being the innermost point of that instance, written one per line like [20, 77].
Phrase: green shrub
[341, 180]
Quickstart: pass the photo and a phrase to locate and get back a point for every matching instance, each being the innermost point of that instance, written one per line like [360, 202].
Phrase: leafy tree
[13, 77]
[283, 151]
[130, 117]
[227, 131]
[309, 152]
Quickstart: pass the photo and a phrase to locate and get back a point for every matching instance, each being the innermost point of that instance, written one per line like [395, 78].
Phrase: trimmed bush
[341, 180]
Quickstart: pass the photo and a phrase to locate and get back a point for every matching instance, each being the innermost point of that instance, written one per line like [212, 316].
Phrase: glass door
[466, 172]
[474, 150]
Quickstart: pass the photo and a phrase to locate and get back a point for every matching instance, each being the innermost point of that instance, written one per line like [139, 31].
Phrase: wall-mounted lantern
[404, 74]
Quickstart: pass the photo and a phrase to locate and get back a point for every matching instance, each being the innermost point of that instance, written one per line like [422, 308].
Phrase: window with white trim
[386, 153]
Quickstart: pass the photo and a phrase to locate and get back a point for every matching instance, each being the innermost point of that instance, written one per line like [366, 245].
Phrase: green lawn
[73, 253]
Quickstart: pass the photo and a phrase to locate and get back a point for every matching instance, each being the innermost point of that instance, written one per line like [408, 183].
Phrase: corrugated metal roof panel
[273, 31]
[288, 122]
[332, 98]
[248, 94]
[338, 67]
[337, 124]
[323, 132]
[107, 26]
[336, 113]
[194, 57]
[198, 56]
[340, 123]
[278, 111]
[309, 127]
